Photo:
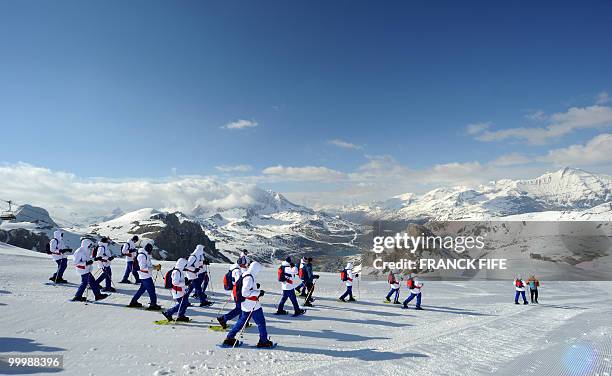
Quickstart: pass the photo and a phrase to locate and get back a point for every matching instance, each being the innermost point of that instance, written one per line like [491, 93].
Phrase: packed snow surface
[467, 328]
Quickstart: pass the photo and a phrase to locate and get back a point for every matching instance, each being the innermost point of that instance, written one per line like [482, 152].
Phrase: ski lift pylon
[8, 215]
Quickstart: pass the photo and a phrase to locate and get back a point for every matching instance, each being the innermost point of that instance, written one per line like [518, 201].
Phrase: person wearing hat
[104, 256]
[145, 272]
[129, 251]
[287, 277]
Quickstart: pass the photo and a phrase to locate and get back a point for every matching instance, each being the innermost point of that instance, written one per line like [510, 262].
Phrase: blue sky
[146, 89]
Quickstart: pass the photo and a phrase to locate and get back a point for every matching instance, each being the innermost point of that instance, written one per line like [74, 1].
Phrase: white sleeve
[177, 279]
[248, 288]
[125, 250]
[236, 274]
[142, 263]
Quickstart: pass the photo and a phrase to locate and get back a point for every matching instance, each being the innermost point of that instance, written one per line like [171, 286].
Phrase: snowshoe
[101, 297]
[169, 322]
[387, 300]
[167, 316]
[134, 305]
[267, 344]
[61, 280]
[231, 342]
[222, 322]
[52, 279]
[308, 304]
[517, 303]
[154, 307]
[396, 302]
[78, 299]
[352, 300]
[418, 308]
[299, 313]
[206, 304]
[108, 289]
[525, 303]
[341, 300]
[183, 319]
[404, 307]
[281, 312]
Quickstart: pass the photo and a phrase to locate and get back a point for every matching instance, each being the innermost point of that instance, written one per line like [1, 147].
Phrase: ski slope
[467, 328]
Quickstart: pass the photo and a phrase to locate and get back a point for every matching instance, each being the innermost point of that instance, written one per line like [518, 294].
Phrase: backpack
[519, 283]
[228, 281]
[168, 278]
[344, 275]
[281, 274]
[48, 248]
[391, 279]
[238, 288]
[301, 273]
[410, 283]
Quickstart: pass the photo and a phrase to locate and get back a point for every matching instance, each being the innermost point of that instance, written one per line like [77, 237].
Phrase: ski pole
[223, 306]
[311, 291]
[244, 326]
[358, 289]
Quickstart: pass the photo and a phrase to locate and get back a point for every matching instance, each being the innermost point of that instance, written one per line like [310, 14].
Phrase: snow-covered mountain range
[566, 194]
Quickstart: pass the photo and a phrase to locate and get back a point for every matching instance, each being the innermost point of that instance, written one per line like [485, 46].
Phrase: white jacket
[178, 279]
[195, 263]
[250, 292]
[56, 245]
[290, 276]
[416, 287]
[349, 274]
[81, 256]
[129, 250]
[145, 266]
[519, 288]
[105, 253]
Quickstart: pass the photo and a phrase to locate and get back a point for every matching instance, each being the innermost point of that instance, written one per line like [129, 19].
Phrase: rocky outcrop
[179, 238]
[23, 238]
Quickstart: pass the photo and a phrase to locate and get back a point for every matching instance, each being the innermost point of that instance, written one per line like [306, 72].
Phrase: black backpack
[48, 248]
[238, 288]
[168, 278]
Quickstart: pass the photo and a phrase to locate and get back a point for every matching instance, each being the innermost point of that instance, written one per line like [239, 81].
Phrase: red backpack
[410, 283]
[228, 281]
[281, 274]
[343, 275]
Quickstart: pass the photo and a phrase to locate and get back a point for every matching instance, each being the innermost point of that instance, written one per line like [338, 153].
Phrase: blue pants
[348, 292]
[87, 279]
[180, 306]
[391, 292]
[129, 268]
[520, 293]
[105, 276]
[205, 280]
[61, 268]
[196, 285]
[148, 286]
[289, 294]
[259, 319]
[409, 299]
[233, 313]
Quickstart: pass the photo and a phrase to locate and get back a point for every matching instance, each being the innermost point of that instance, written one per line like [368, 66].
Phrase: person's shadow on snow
[325, 333]
[368, 354]
[24, 345]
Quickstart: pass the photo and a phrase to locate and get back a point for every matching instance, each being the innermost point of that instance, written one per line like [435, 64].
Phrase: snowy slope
[467, 328]
[565, 190]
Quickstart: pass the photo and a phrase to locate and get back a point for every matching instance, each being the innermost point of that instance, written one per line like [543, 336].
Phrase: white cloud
[602, 98]
[511, 159]
[536, 115]
[240, 124]
[562, 123]
[476, 128]
[596, 151]
[344, 144]
[306, 173]
[65, 193]
[235, 168]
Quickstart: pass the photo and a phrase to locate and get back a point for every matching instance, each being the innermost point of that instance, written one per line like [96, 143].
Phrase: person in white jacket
[104, 256]
[348, 280]
[287, 276]
[129, 251]
[145, 272]
[193, 269]
[519, 287]
[58, 253]
[82, 264]
[236, 274]
[394, 283]
[178, 292]
[251, 308]
[415, 292]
